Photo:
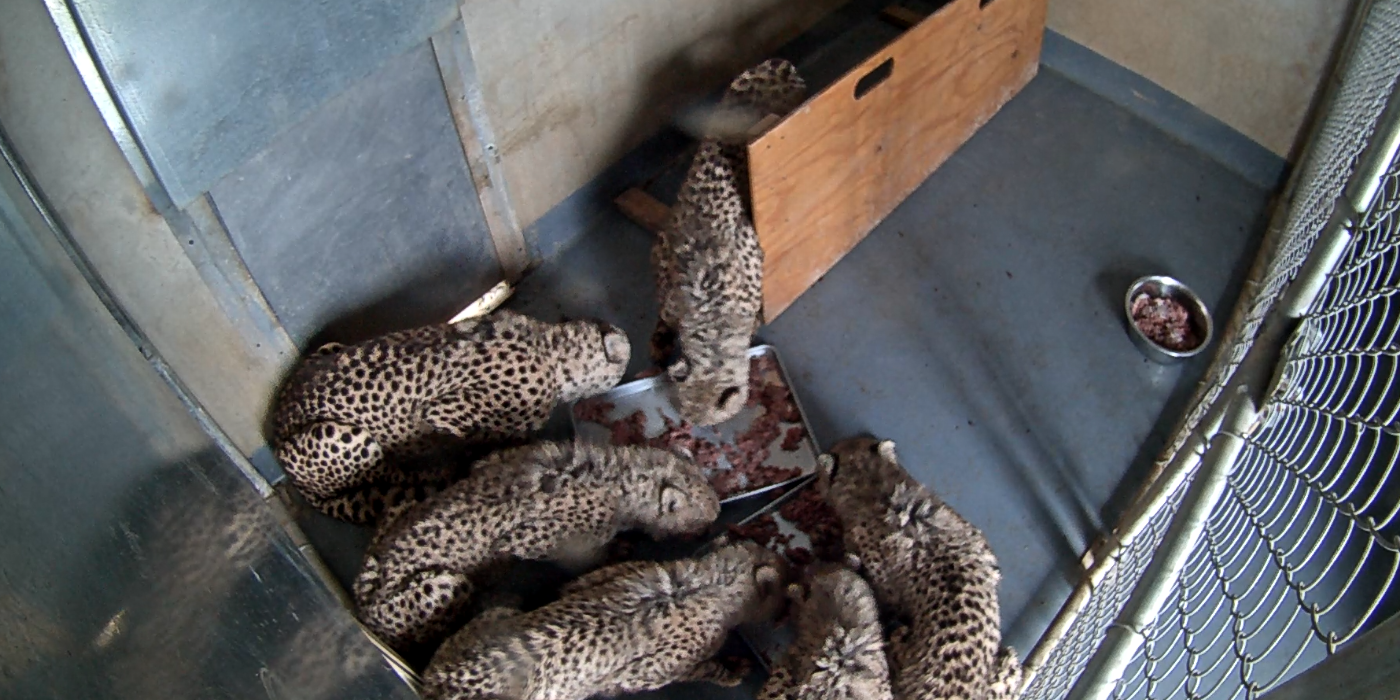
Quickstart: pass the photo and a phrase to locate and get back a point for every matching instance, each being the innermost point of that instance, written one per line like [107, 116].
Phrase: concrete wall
[56, 128]
[569, 88]
[1253, 64]
[572, 86]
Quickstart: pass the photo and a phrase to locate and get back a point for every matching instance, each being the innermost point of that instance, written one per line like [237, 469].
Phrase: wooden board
[828, 173]
[643, 209]
[651, 213]
[901, 16]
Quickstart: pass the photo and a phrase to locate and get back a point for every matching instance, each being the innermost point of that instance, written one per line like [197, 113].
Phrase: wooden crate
[823, 177]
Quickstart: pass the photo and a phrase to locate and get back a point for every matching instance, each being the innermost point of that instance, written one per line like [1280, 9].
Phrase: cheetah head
[863, 472]
[859, 472]
[853, 462]
[592, 357]
[833, 592]
[676, 498]
[709, 395]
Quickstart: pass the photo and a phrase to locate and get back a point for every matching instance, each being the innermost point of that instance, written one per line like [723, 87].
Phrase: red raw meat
[1165, 321]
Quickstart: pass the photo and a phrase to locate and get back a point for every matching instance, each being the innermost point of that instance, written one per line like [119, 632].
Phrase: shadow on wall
[430, 294]
[647, 144]
[702, 69]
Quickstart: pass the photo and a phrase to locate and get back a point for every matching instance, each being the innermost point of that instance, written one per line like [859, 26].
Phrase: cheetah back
[709, 263]
[930, 568]
[647, 626]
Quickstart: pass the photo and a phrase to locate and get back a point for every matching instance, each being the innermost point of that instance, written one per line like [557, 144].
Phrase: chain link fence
[1299, 553]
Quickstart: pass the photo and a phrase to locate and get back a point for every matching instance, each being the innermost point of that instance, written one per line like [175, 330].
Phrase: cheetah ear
[887, 451]
[671, 498]
[767, 577]
[616, 346]
[731, 400]
[795, 592]
[328, 349]
[679, 370]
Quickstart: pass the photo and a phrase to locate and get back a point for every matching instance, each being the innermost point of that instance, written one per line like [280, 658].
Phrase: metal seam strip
[127, 324]
[452, 49]
[202, 238]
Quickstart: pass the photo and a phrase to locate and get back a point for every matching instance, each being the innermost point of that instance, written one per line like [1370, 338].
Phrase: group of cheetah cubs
[379, 432]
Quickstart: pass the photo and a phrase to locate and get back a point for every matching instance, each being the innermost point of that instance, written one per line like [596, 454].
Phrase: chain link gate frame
[1267, 535]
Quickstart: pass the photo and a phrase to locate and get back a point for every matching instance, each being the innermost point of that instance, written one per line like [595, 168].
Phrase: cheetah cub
[930, 569]
[351, 418]
[709, 266]
[624, 628]
[839, 653]
[556, 501]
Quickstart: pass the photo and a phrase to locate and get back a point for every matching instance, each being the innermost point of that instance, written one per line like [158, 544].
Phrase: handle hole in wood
[874, 78]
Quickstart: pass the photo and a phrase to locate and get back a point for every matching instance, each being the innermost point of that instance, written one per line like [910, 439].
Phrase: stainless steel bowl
[1161, 286]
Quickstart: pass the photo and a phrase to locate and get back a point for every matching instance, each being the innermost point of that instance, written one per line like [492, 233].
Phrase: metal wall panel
[137, 560]
[205, 85]
[363, 216]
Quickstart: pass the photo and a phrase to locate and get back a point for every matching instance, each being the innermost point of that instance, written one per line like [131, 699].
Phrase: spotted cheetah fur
[709, 265]
[839, 650]
[626, 628]
[556, 501]
[930, 569]
[357, 427]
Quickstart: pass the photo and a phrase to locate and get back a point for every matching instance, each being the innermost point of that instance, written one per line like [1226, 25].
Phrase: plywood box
[824, 176]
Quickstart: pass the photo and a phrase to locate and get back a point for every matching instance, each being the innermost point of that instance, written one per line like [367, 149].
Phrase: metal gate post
[1126, 635]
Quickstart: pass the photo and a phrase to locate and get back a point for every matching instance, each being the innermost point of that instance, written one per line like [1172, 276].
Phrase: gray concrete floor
[980, 325]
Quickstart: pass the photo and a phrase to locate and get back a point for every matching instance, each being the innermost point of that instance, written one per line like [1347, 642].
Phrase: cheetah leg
[420, 611]
[386, 500]
[448, 415]
[357, 507]
[778, 685]
[712, 671]
[395, 491]
[326, 459]
[604, 575]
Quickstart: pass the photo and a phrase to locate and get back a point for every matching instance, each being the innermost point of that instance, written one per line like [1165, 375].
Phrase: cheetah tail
[1006, 683]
